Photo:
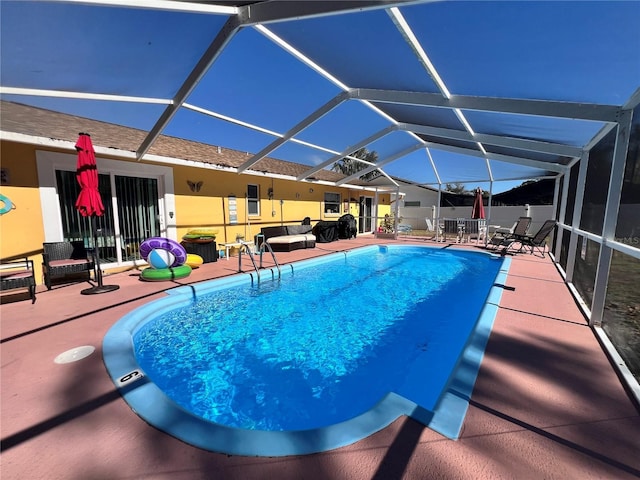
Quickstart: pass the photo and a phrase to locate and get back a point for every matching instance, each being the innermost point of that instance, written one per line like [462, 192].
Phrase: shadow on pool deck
[547, 402]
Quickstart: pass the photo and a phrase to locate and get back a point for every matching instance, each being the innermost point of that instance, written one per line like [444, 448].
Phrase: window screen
[253, 199]
[332, 203]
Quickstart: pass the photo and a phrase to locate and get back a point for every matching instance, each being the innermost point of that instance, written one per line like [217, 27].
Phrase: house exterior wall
[290, 203]
[415, 216]
[23, 229]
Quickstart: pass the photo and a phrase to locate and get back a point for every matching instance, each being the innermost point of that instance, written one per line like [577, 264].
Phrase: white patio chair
[438, 229]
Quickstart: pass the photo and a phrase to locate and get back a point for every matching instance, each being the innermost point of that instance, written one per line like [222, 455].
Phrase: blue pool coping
[153, 406]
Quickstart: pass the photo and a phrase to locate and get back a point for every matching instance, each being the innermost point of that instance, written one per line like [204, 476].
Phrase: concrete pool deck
[547, 402]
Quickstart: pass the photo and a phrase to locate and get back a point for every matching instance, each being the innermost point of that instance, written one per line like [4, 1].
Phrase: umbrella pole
[100, 288]
[96, 252]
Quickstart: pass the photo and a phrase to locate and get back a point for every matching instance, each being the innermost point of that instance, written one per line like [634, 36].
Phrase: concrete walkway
[547, 402]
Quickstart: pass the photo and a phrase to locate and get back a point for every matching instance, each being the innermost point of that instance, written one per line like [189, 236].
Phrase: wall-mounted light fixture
[270, 193]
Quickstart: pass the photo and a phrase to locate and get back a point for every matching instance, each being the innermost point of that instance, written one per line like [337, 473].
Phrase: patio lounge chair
[18, 274]
[503, 237]
[66, 260]
[537, 240]
[475, 228]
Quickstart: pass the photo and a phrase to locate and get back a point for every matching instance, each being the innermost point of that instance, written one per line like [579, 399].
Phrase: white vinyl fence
[416, 217]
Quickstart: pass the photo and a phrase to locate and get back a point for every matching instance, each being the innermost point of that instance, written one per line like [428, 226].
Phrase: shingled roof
[39, 122]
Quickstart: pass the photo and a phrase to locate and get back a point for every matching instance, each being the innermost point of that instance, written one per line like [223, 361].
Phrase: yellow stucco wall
[209, 207]
[22, 231]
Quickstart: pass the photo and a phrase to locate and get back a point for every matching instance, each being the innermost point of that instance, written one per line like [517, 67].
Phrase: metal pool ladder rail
[263, 246]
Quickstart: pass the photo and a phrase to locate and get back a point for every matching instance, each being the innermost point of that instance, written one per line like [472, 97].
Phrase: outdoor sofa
[287, 237]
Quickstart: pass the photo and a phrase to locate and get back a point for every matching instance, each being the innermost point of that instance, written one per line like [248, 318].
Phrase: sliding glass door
[365, 216]
[138, 213]
[136, 202]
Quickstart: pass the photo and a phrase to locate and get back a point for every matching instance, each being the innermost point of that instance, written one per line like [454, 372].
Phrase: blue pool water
[334, 350]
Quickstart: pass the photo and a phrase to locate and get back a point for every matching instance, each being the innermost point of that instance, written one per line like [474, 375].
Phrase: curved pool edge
[153, 406]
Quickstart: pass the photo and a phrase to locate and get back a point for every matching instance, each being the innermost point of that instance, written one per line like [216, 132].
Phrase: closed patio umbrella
[478, 206]
[89, 202]
[477, 213]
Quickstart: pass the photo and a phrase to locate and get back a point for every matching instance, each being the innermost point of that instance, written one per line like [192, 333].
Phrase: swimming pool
[331, 353]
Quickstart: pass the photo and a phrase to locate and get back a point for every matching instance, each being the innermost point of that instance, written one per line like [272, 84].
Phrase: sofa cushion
[287, 238]
[298, 229]
[292, 239]
[287, 247]
[269, 232]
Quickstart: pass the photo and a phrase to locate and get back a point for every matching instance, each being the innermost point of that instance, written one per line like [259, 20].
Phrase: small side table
[229, 246]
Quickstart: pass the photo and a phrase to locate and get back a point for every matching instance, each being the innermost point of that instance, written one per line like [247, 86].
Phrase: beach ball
[160, 258]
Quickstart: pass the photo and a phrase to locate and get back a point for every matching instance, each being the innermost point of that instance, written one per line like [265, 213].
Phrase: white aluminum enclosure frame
[554, 159]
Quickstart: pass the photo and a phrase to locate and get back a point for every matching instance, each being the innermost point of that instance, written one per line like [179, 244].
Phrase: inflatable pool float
[200, 235]
[160, 243]
[151, 274]
[193, 260]
[198, 239]
[7, 205]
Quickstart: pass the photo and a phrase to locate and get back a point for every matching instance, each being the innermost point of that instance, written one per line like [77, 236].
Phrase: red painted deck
[547, 402]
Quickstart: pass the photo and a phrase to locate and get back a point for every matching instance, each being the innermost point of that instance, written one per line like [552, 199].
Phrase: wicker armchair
[18, 274]
[69, 260]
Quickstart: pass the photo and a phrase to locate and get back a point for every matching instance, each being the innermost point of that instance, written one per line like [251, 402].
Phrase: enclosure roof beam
[501, 141]
[269, 12]
[315, 116]
[223, 37]
[633, 101]
[169, 5]
[529, 162]
[545, 108]
[381, 163]
[37, 92]
[347, 151]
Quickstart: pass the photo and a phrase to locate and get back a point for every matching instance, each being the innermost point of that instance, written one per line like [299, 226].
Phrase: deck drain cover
[74, 354]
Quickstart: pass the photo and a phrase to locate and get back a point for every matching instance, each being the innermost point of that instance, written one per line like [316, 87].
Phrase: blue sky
[567, 51]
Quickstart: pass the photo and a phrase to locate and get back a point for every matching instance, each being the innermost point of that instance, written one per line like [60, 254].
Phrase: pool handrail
[263, 246]
[245, 246]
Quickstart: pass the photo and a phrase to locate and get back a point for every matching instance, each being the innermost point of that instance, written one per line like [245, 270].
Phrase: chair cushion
[15, 275]
[67, 262]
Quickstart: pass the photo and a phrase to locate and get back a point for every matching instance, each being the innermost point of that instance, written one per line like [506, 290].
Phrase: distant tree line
[349, 166]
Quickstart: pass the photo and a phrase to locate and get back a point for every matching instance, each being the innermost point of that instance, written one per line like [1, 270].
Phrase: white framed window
[412, 203]
[332, 202]
[253, 199]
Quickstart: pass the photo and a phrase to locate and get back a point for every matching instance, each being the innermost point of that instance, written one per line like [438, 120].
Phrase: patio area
[547, 402]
